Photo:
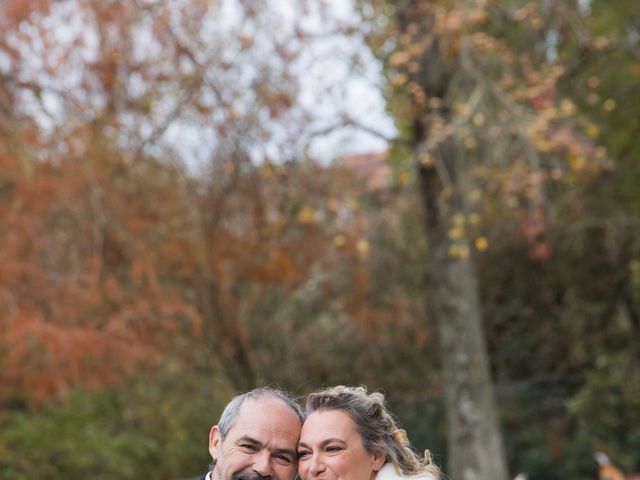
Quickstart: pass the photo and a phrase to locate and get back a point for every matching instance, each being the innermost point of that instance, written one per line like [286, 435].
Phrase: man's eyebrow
[248, 439]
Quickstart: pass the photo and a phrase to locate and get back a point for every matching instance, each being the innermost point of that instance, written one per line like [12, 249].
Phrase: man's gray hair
[231, 411]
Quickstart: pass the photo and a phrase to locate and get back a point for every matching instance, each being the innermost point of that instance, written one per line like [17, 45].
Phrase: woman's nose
[316, 465]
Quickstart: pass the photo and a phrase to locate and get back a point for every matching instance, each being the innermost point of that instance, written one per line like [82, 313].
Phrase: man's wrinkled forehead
[265, 413]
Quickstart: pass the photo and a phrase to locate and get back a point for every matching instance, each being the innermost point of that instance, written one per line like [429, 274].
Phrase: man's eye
[284, 459]
[249, 446]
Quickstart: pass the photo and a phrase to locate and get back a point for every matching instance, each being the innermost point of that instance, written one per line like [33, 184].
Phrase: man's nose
[262, 463]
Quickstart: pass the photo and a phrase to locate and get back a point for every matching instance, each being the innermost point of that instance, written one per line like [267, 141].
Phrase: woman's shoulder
[390, 472]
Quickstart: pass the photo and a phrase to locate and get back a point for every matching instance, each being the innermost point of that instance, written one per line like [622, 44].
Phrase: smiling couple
[344, 433]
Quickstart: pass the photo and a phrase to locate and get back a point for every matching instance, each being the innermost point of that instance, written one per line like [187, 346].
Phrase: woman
[349, 434]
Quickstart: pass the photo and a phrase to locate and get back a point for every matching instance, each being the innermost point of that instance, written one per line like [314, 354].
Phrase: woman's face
[330, 448]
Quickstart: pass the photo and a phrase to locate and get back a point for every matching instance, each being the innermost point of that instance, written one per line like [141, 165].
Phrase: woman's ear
[378, 460]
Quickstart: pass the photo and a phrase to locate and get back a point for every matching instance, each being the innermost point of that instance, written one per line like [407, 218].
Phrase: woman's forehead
[323, 423]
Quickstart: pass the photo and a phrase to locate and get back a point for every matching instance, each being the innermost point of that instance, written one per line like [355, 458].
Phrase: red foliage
[113, 260]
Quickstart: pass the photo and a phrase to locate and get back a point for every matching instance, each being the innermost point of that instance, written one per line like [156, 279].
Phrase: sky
[334, 77]
[354, 93]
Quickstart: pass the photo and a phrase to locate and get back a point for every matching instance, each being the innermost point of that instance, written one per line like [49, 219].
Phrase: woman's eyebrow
[324, 443]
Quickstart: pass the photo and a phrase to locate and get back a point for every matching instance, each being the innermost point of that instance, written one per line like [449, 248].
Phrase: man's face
[262, 443]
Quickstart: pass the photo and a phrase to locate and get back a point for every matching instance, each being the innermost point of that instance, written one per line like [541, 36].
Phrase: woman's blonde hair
[376, 425]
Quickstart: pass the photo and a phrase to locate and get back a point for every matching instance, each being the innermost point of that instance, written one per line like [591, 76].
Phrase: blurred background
[437, 199]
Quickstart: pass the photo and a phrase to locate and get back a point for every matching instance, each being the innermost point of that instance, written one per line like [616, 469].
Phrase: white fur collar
[390, 472]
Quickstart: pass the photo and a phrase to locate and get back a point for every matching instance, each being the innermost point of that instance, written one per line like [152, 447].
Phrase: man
[256, 438]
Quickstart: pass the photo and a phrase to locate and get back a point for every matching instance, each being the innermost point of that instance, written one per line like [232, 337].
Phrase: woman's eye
[333, 448]
[303, 453]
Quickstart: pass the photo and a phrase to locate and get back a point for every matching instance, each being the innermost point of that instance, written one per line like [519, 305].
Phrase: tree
[476, 99]
[119, 258]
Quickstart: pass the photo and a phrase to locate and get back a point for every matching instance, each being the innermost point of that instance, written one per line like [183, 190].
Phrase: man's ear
[378, 460]
[215, 442]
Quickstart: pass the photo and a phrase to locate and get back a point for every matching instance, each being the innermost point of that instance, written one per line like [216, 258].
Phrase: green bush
[157, 430]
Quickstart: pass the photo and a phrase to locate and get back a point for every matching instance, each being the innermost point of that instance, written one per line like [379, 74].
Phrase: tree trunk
[427, 59]
[475, 448]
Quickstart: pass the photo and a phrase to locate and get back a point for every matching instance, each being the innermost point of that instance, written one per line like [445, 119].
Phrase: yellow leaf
[592, 130]
[462, 108]
[577, 162]
[481, 244]
[458, 251]
[268, 169]
[601, 152]
[307, 215]
[456, 233]
[474, 219]
[478, 119]
[567, 107]
[556, 174]
[541, 143]
[339, 240]
[426, 159]
[352, 204]
[601, 42]
[536, 22]
[399, 58]
[609, 105]
[417, 48]
[470, 143]
[475, 195]
[362, 246]
[458, 220]
[400, 79]
[436, 102]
